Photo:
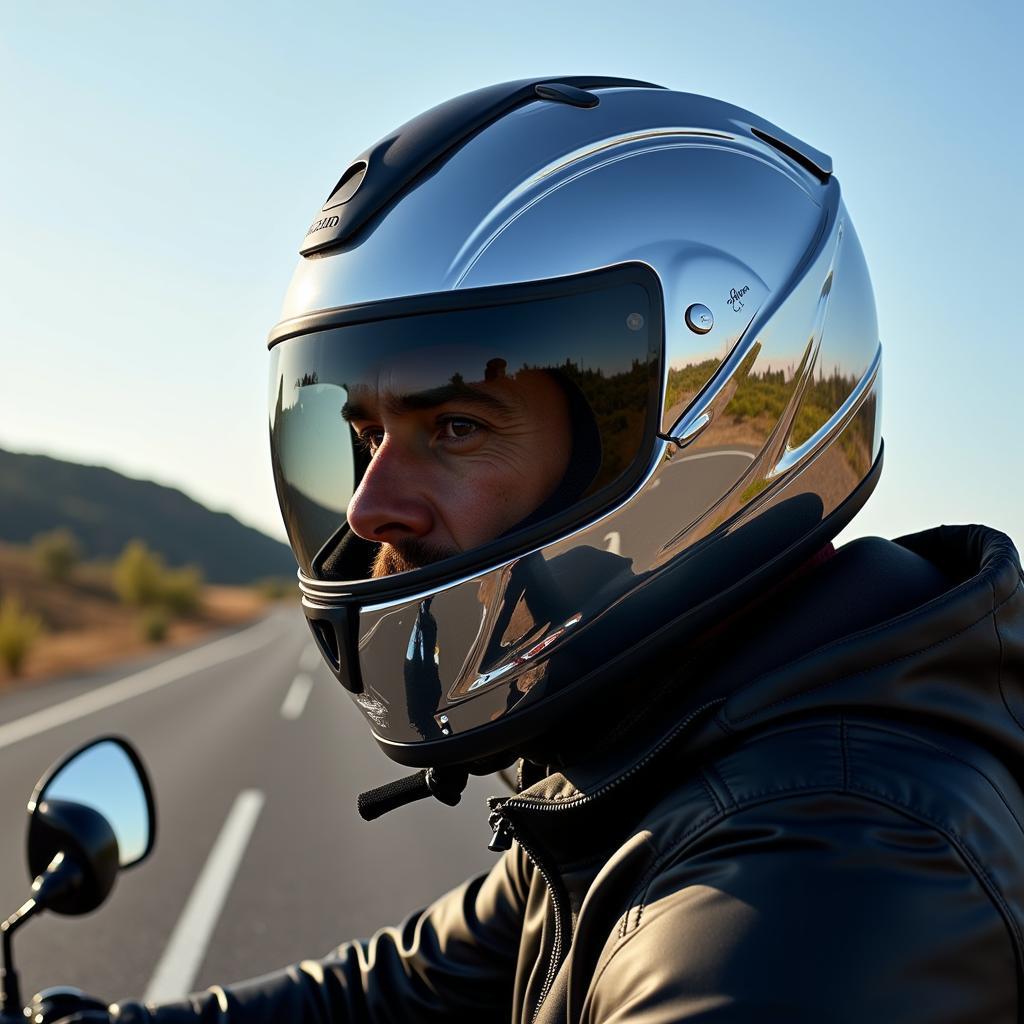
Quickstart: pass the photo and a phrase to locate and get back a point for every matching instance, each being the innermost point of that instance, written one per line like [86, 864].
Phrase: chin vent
[327, 641]
[334, 630]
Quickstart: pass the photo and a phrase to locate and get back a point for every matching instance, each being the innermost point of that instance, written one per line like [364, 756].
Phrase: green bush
[56, 553]
[142, 580]
[181, 589]
[18, 631]
[154, 624]
[138, 573]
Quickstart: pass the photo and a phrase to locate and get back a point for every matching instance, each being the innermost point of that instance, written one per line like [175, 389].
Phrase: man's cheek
[495, 464]
[479, 512]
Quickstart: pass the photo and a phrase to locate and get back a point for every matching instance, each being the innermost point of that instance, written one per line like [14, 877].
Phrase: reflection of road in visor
[598, 336]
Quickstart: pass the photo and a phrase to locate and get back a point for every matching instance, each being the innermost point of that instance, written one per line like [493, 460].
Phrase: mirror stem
[10, 994]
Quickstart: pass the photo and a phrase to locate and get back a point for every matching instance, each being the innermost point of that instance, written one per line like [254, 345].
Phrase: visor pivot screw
[699, 318]
[443, 719]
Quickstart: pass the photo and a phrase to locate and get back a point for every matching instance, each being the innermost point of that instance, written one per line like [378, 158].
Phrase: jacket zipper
[531, 805]
[504, 834]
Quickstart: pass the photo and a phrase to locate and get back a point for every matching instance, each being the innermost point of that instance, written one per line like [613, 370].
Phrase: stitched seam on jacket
[957, 842]
[624, 923]
[999, 664]
[859, 672]
[754, 799]
[652, 871]
[709, 791]
[926, 742]
[717, 775]
[677, 848]
[638, 901]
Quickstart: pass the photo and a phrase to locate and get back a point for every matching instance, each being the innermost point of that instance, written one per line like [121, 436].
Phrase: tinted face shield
[433, 432]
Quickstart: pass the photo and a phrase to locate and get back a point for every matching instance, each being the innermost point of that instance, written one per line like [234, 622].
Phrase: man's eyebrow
[432, 398]
[354, 411]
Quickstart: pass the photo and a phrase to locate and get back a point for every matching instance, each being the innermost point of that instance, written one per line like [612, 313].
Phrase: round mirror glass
[105, 777]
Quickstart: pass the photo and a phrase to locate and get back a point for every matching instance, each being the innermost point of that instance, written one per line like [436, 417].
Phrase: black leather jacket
[817, 819]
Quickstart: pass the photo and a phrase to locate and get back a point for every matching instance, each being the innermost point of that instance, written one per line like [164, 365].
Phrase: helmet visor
[407, 433]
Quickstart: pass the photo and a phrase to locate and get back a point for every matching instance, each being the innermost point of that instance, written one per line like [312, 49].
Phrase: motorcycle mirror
[90, 816]
[95, 806]
[73, 855]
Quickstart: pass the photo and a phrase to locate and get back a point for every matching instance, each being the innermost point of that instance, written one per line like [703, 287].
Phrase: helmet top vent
[387, 169]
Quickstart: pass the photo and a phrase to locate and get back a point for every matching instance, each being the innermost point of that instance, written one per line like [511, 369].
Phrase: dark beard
[406, 555]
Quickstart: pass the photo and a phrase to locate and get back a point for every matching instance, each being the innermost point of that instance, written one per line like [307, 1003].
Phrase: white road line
[310, 659]
[177, 968]
[295, 698]
[713, 455]
[142, 682]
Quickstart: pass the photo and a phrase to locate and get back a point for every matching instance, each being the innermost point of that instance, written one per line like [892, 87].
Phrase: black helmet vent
[323, 633]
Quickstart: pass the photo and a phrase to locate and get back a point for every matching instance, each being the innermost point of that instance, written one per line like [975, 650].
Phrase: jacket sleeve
[810, 908]
[454, 960]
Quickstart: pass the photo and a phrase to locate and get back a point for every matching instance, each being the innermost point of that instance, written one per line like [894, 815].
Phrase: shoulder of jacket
[944, 781]
[805, 838]
[802, 778]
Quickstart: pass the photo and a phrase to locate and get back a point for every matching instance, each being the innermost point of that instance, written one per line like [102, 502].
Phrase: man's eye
[371, 438]
[457, 428]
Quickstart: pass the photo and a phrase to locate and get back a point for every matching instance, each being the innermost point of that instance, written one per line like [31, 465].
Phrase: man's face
[454, 467]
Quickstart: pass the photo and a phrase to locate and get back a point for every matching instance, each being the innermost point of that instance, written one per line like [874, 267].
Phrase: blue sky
[161, 163]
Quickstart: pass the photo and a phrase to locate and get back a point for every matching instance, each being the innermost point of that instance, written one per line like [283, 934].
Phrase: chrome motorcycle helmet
[658, 304]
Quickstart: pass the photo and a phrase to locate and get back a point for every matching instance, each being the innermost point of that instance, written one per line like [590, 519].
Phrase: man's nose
[388, 505]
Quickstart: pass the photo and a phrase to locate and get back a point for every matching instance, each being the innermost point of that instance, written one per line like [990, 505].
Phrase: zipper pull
[502, 838]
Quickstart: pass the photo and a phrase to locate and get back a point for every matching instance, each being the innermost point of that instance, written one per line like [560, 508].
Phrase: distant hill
[105, 510]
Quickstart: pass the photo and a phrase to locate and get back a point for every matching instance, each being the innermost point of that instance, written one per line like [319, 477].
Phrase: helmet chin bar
[609, 672]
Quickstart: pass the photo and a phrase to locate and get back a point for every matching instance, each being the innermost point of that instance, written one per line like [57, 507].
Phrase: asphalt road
[310, 873]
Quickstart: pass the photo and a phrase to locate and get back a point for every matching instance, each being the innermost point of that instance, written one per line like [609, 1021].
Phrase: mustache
[402, 556]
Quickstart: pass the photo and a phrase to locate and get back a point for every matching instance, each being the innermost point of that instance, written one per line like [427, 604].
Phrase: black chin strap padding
[446, 784]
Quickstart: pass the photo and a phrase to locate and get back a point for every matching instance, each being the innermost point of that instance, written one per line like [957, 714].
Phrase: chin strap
[445, 784]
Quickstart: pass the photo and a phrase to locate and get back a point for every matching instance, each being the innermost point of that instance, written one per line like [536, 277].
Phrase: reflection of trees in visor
[619, 406]
[607, 414]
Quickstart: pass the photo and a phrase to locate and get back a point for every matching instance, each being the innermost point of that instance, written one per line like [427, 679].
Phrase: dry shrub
[18, 631]
[137, 575]
[181, 590]
[56, 553]
[141, 579]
